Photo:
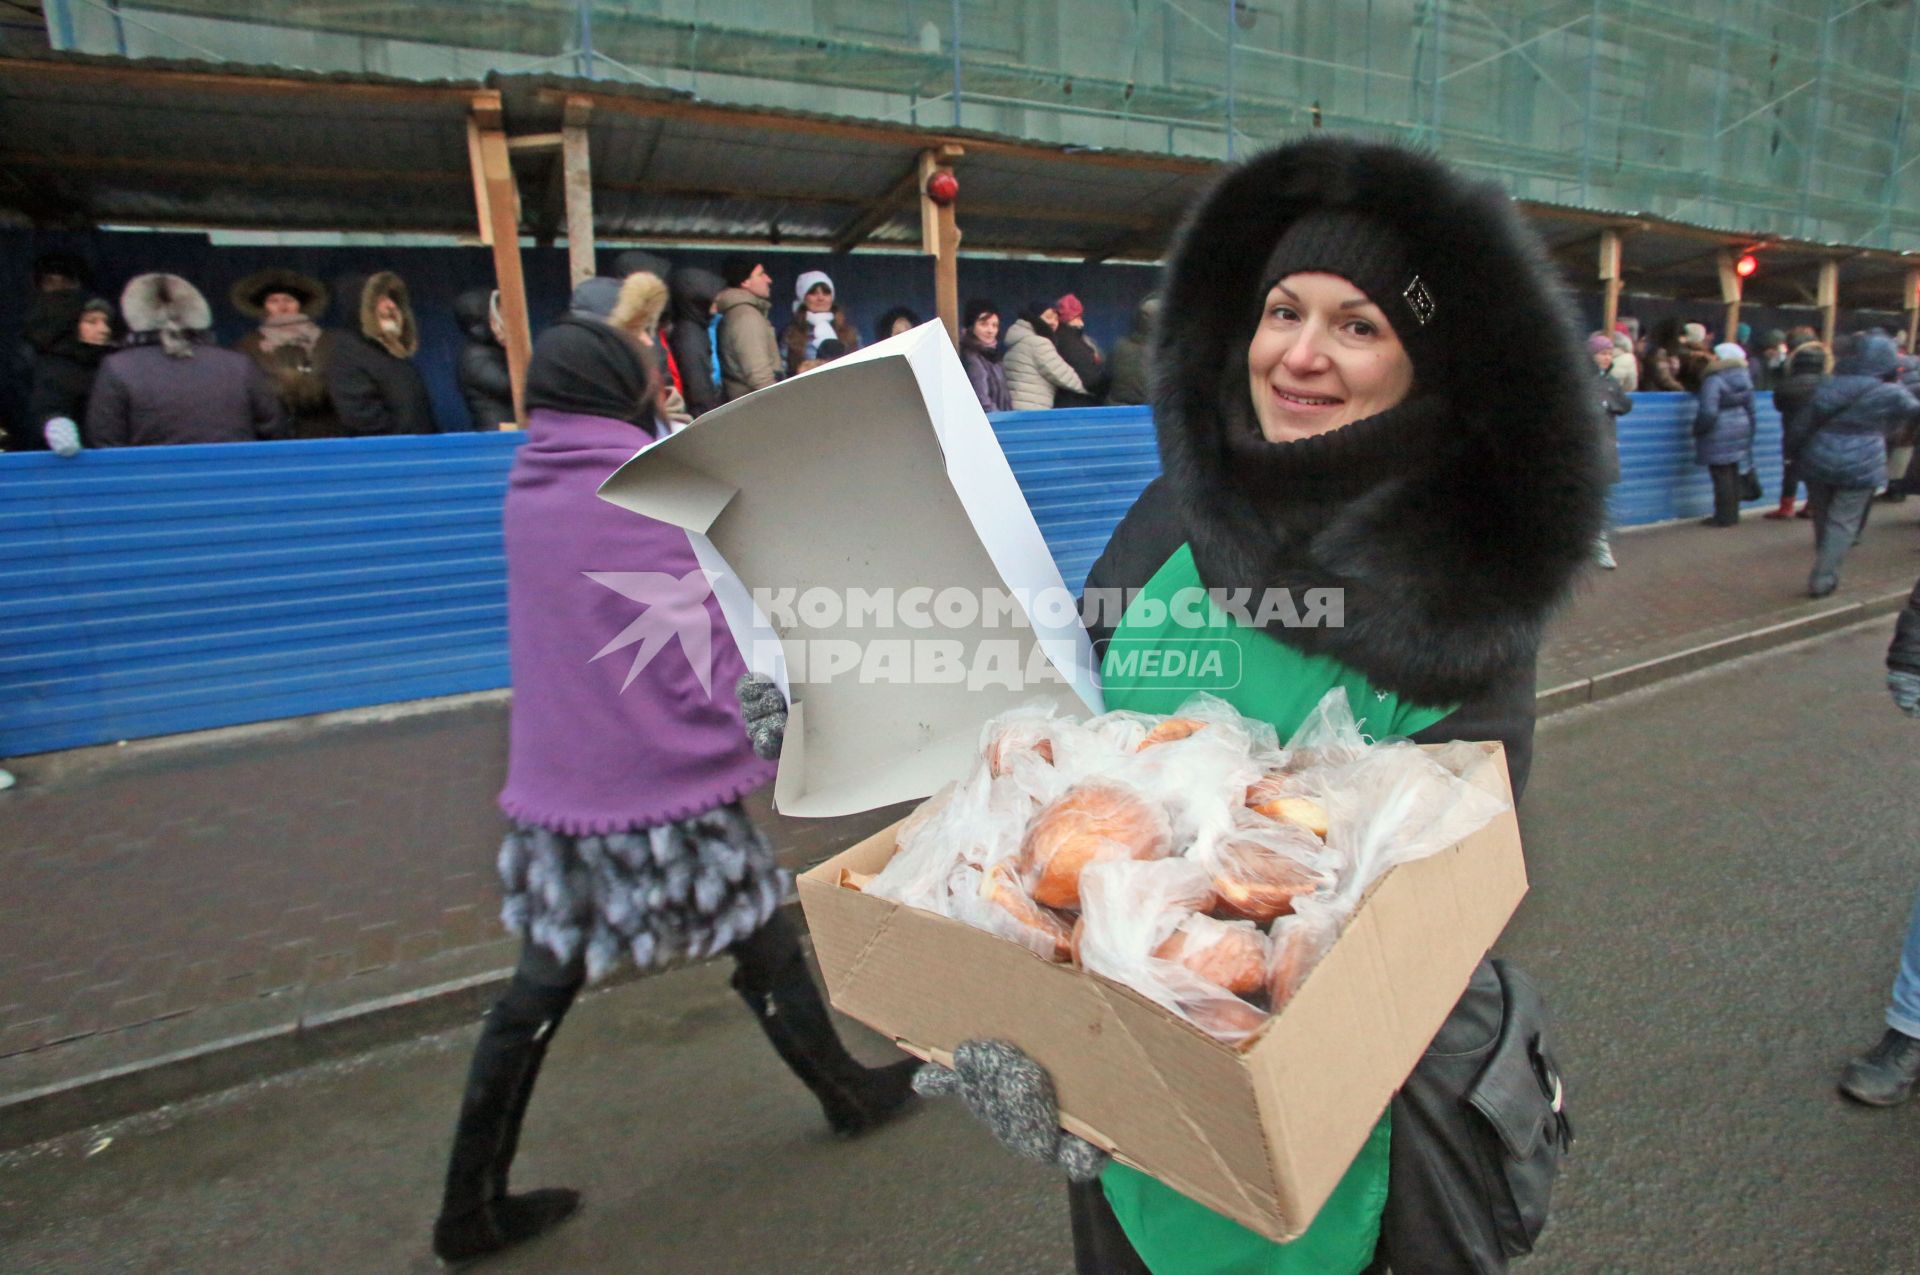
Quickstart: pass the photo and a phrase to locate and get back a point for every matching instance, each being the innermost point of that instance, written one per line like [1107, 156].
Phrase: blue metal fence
[145, 591]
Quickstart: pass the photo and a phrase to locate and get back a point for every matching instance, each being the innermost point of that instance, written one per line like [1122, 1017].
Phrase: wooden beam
[225, 170]
[578, 174]
[1729, 294]
[1610, 277]
[479, 169]
[499, 208]
[1910, 302]
[940, 238]
[1828, 296]
[534, 143]
[148, 80]
[869, 218]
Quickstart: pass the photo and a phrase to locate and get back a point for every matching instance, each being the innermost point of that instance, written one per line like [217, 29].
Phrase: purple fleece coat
[587, 755]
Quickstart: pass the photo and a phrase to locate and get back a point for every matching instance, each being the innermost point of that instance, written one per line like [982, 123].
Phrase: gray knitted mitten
[765, 712]
[1905, 689]
[1013, 1096]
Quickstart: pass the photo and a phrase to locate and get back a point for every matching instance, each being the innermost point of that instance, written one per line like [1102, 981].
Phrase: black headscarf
[583, 365]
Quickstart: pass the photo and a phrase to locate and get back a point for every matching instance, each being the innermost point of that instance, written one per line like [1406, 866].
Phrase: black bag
[1480, 1131]
[1750, 484]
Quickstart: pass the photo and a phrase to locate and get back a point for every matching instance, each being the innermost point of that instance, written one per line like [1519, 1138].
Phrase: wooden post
[500, 209]
[579, 187]
[940, 238]
[1610, 276]
[1911, 301]
[1828, 298]
[1730, 295]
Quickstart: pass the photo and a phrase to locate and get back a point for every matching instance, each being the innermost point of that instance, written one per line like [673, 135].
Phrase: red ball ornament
[943, 188]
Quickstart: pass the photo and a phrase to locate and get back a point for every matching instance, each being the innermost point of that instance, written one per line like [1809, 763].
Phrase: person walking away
[290, 346]
[1723, 427]
[627, 840]
[1884, 1076]
[1807, 366]
[895, 321]
[1128, 385]
[749, 350]
[1900, 442]
[375, 386]
[172, 384]
[485, 381]
[981, 355]
[1082, 355]
[1626, 368]
[1615, 403]
[1035, 370]
[692, 291]
[1842, 451]
[817, 317]
[69, 333]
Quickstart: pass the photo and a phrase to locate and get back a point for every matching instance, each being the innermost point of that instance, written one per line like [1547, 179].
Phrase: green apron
[1265, 679]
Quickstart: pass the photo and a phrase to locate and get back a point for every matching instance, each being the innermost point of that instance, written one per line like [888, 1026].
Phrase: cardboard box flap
[867, 478]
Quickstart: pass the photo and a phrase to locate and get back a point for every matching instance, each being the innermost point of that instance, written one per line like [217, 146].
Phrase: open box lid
[875, 472]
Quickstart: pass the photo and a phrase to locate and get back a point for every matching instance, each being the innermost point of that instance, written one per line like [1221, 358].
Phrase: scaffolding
[1752, 116]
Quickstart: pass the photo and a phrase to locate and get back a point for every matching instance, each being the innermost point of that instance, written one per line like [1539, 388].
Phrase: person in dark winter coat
[980, 355]
[290, 346]
[634, 849]
[172, 385]
[1128, 385]
[1331, 415]
[1615, 402]
[485, 382]
[70, 333]
[1885, 1075]
[1807, 367]
[1082, 355]
[693, 291]
[1723, 428]
[375, 387]
[1840, 446]
[895, 321]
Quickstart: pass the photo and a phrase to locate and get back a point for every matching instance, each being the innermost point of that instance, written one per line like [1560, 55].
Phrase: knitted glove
[1012, 1095]
[1905, 689]
[63, 436]
[765, 713]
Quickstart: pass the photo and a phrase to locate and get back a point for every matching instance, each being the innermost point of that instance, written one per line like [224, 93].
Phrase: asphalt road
[1722, 870]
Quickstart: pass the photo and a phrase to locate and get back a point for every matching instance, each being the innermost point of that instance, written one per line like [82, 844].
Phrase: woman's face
[819, 299]
[986, 329]
[904, 324]
[96, 328]
[280, 305]
[1051, 318]
[1323, 356]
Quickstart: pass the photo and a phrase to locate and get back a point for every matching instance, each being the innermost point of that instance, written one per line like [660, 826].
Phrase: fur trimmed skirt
[654, 896]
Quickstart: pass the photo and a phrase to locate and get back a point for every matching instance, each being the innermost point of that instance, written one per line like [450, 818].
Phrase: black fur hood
[1452, 566]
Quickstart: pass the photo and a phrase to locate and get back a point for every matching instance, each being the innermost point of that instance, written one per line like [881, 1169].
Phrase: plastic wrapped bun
[1024, 736]
[1298, 943]
[1278, 795]
[1004, 908]
[1171, 729]
[1228, 954]
[1262, 866]
[1091, 823]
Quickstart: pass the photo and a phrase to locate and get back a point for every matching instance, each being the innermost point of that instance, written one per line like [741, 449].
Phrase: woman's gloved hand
[1013, 1096]
[765, 713]
[63, 436]
[1905, 689]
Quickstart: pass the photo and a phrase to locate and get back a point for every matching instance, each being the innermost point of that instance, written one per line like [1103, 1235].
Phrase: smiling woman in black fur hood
[1365, 381]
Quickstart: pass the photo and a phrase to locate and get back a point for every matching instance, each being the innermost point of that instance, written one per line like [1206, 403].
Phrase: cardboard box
[879, 471]
[1262, 1133]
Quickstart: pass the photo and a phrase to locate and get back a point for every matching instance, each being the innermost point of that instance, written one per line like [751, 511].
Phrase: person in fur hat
[69, 333]
[1331, 415]
[628, 844]
[172, 384]
[485, 380]
[1723, 428]
[289, 345]
[375, 387]
[817, 316]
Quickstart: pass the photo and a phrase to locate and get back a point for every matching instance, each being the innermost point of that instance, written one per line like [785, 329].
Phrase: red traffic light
[1747, 264]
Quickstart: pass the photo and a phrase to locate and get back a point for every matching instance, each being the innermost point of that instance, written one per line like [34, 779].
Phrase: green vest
[1262, 678]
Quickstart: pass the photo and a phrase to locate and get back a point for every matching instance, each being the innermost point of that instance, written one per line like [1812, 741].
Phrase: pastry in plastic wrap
[1257, 875]
[1273, 796]
[1229, 954]
[1171, 729]
[1225, 1018]
[1298, 943]
[1034, 926]
[1092, 822]
[1019, 737]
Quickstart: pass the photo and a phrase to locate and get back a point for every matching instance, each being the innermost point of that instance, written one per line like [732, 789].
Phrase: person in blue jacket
[1723, 428]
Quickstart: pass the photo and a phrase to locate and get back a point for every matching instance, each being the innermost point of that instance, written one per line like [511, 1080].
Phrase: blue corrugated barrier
[152, 590]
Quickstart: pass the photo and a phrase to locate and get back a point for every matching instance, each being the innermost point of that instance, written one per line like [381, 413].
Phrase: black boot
[1884, 1076]
[773, 978]
[477, 1216]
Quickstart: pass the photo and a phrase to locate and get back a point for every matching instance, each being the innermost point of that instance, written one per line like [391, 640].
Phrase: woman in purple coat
[980, 354]
[627, 762]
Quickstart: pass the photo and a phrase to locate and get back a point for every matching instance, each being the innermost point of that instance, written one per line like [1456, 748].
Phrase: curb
[116, 1091]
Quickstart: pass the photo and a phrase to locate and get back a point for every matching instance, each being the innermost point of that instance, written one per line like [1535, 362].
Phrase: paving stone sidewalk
[169, 896]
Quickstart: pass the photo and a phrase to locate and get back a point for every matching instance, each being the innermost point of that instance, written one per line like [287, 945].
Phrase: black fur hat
[1452, 565]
